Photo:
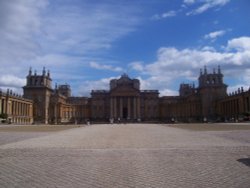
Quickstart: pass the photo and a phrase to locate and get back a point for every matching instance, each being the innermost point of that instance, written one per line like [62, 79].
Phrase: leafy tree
[4, 116]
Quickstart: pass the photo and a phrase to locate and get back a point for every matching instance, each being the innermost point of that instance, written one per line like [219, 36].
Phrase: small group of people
[125, 120]
[112, 120]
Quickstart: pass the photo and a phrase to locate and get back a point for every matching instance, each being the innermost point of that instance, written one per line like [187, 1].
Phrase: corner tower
[211, 88]
[38, 88]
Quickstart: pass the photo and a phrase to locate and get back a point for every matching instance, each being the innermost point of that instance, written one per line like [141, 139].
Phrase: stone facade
[196, 104]
[125, 101]
[235, 107]
[15, 109]
[38, 88]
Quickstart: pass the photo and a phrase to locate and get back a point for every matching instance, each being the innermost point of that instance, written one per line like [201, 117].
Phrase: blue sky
[85, 43]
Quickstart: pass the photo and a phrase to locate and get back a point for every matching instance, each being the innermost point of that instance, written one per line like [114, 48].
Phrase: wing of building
[124, 101]
[15, 108]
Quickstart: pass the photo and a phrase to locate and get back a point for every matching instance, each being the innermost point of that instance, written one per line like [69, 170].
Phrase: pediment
[124, 91]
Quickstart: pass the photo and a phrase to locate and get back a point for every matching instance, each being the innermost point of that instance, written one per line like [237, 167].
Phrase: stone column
[16, 108]
[13, 108]
[230, 107]
[138, 108]
[60, 111]
[1, 105]
[19, 108]
[115, 107]
[134, 107]
[121, 107]
[4, 105]
[248, 104]
[21, 119]
[30, 113]
[22, 107]
[25, 110]
[55, 113]
[129, 115]
[111, 107]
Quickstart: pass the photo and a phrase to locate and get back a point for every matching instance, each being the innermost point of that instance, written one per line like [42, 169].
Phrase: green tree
[4, 116]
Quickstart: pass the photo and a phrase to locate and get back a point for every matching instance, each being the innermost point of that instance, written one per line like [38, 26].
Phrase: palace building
[124, 101]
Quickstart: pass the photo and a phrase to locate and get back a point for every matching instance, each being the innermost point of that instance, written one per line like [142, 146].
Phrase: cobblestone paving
[127, 156]
[9, 137]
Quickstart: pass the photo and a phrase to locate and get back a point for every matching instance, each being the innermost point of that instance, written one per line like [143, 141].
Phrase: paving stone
[127, 156]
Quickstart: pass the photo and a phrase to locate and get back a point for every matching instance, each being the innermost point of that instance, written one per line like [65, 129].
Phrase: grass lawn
[213, 126]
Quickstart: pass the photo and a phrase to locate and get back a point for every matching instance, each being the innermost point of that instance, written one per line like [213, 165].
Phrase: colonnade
[125, 107]
[18, 111]
[231, 107]
[21, 109]
[234, 106]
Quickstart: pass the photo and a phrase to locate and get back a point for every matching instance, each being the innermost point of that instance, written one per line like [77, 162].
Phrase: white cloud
[208, 48]
[137, 65]
[168, 14]
[157, 82]
[86, 27]
[87, 86]
[214, 35]
[54, 60]
[173, 64]
[177, 65]
[204, 5]
[19, 23]
[240, 44]
[105, 67]
[168, 92]
[11, 82]
[154, 83]
[65, 36]
[189, 2]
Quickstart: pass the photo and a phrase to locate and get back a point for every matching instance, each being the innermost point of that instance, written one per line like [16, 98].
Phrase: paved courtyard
[126, 155]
